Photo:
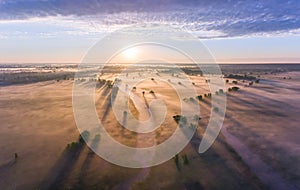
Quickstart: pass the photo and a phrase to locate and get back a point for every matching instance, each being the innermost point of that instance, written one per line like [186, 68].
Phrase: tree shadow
[62, 168]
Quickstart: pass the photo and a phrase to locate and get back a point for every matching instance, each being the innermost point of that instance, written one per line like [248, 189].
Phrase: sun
[130, 53]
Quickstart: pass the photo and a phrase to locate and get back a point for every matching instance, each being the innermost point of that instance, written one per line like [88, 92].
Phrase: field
[258, 147]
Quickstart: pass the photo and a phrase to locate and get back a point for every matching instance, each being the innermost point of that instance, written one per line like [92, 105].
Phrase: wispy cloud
[206, 19]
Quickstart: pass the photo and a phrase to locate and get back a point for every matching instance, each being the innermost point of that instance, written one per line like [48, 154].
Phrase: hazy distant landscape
[258, 147]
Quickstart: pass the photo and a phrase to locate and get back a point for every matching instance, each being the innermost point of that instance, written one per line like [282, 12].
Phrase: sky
[62, 31]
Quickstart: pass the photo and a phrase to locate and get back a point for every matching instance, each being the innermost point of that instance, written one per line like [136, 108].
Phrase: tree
[199, 97]
[185, 159]
[176, 160]
[235, 88]
[216, 109]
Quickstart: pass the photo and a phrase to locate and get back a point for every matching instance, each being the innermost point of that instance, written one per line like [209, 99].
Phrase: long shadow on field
[62, 168]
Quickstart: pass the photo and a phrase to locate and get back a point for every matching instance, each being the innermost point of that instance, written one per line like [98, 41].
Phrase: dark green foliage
[176, 160]
[215, 109]
[197, 118]
[257, 81]
[221, 91]
[199, 97]
[235, 88]
[241, 77]
[72, 145]
[180, 119]
[227, 81]
[151, 92]
[234, 82]
[109, 83]
[185, 159]
[83, 136]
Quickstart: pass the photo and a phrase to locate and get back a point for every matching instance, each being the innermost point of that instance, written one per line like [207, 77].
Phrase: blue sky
[235, 31]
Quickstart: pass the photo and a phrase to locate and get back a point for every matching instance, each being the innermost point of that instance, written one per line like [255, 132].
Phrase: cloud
[206, 19]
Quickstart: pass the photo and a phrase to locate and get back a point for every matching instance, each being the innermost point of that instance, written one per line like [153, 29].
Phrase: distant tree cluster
[241, 77]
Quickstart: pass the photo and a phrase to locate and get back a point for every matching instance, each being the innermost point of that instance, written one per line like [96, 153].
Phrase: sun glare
[130, 53]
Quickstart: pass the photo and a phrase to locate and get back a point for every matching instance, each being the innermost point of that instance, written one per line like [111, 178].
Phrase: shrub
[234, 82]
[257, 81]
[227, 81]
[151, 92]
